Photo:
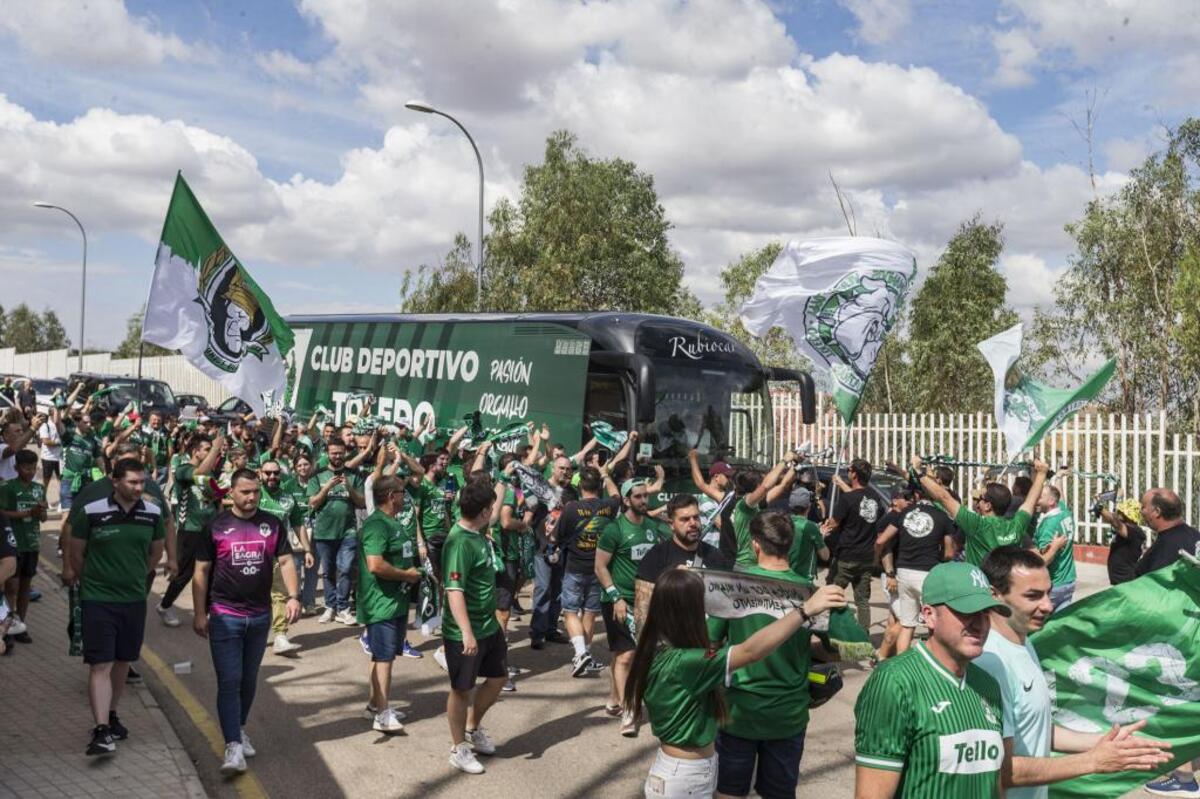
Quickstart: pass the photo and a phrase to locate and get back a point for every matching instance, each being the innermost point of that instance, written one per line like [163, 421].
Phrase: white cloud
[1017, 55]
[879, 21]
[284, 66]
[1030, 281]
[1096, 30]
[99, 33]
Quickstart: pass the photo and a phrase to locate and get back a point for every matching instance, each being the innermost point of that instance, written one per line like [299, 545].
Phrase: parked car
[45, 388]
[232, 406]
[155, 394]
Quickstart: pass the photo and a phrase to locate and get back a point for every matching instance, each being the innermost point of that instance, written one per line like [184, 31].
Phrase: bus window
[605, 401]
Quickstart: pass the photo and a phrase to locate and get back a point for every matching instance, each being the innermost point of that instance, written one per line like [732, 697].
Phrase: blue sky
[287, 120]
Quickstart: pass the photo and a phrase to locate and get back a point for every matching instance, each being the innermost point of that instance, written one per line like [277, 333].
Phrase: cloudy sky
[288, 120]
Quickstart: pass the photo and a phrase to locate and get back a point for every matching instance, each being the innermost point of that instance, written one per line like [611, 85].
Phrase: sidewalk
[45, 721]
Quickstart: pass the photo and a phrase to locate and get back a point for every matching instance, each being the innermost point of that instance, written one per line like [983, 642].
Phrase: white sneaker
[463, 759]
[370, 712]
[16, 626]
[283, 646]
[235, 760]
[247, 748]
[480, 742]
[387, 722]
[345, 617]
[628, 725]
[326, 617]
[439, 656]
[168, 615]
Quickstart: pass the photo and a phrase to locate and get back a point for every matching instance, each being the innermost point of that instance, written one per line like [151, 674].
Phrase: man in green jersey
[757, 491]
[623, 543]
[283, 505]
[475, 645]
[987, 529]
[114, 543]
[334, 496]
[928, 722]
[387, 567]
[154, 435]
[296, 484]
[23, 506]
[768, 700]
[808, 544]
[195, 506]
[1055, 540]
[81, 453]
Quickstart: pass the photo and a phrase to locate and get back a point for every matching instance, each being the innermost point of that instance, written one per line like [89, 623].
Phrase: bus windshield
[720, 410]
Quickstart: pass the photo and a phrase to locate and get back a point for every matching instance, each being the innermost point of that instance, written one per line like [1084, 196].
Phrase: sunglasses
[271, 474]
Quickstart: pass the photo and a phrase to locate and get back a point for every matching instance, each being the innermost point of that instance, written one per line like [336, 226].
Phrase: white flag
[837, 298]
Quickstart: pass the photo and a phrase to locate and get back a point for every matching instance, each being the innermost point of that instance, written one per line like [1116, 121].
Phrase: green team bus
[680, 384]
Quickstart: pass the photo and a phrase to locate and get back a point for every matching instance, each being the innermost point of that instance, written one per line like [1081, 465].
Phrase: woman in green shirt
[677, 675]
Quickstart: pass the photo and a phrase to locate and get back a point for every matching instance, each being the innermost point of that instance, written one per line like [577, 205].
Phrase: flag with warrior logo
[1128, 653]
[837, 298]
[1026, 410]
[204, 303]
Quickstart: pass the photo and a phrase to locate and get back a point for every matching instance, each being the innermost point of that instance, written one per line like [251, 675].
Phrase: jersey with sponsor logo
[381, 599]
[17, 495]
[243, 553]
[985, 533]
[115, 560]
[628, 543]
[940, 732]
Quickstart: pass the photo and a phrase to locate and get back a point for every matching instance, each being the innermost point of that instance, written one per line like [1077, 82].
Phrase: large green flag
[1128, 653]
[204, 303]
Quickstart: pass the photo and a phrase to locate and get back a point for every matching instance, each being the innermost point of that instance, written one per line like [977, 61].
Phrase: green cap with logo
[962, 587]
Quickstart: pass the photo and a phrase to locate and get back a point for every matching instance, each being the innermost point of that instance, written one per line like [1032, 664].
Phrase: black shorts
[51, 469]
[506, 586]
[27, 563]
[433, 547]
[617, 633]
[112, 630]
[490, 661]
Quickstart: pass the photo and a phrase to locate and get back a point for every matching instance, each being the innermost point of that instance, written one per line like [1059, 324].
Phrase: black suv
[155, 395]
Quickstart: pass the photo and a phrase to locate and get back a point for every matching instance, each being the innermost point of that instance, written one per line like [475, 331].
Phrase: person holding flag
[1055, 540]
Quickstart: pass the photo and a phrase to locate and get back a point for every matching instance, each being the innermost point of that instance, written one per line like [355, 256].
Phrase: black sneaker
[102, 741]
[23, 638]
[133, 677]
[558, 638]
[118, 730]
[536, 643]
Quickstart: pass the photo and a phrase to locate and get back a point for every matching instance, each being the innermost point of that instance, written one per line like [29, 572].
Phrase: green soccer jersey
[195, 501]
[468, 566]
[158, 441]
[985, 533]
[292, 485]
[679, 695]
[18, 496]
[103, 487]
[806, 543]
[380, 599]
[282, 505]
[80, 453]
[743, 514]
[941, 732]
[115, 560]
[628, 543]
[508, 539]
[336, 517]
[432, 508]
[1058, 522]
[768, 699]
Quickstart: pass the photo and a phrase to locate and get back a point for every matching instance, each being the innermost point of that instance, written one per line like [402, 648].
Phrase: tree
[54, 335]
[23, 329]
[133, 339]
[960, 303]
[585, 234]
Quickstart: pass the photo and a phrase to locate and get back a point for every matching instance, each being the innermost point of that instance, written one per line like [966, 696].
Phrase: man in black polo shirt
[684, 548]
[114, 542]
[853, 519]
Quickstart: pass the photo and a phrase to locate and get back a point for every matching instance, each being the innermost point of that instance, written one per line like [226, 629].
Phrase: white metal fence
[173, 369]
[1137, 449]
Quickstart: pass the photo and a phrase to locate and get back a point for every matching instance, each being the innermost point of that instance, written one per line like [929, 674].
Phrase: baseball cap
[800, 498]
[630, 484]
[719, 467]
[962, 587]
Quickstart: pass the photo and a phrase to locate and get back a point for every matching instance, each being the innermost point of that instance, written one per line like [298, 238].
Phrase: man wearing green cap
[928, 721]
[623, 543]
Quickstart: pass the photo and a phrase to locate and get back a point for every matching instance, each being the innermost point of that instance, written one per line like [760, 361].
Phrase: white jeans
[673, 777]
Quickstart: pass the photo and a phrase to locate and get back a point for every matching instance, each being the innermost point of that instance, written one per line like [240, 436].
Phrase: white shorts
[673, 778]
[908, 602]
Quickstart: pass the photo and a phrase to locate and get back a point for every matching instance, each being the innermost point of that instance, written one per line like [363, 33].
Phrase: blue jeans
[1061, 595]
[308, 584]
[340, 553]
[547, 597]
[778, 765]
[237, 645]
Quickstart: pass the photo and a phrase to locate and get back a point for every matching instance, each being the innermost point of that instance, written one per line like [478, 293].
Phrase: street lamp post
[83, 276]
[425, 108]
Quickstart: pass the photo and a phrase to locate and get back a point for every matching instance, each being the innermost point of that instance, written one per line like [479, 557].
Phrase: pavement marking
[247, 785]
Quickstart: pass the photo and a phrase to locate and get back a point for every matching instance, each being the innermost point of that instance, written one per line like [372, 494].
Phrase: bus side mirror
[808, 391]
[641, 370]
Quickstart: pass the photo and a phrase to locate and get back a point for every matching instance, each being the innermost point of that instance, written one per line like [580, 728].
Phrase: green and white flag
[607, 437]
[837, 298]
[1026, 410]
[204, 303]
[1128, 653]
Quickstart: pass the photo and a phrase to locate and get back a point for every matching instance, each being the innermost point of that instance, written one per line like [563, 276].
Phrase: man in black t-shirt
[853, 518]
[578, 532]
[1128, 540]
[1162, 511]
[920, 538]
[684, 548]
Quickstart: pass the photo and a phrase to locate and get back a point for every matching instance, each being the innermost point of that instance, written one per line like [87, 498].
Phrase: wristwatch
[891, 575]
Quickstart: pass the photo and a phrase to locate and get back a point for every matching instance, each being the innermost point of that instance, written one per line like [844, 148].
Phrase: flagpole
[837, 465]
